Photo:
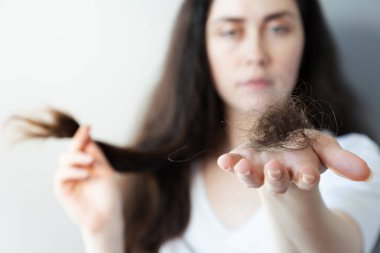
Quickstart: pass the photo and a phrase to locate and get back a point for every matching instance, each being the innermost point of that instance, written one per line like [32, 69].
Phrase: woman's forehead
[251, 9]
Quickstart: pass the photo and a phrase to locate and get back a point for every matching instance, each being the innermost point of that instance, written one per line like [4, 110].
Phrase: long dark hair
[186, 112]
[321, 73]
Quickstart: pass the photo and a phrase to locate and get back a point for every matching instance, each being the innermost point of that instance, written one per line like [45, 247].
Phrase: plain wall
[99, 59]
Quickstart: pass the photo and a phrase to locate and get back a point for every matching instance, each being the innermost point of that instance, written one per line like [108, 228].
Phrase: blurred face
[254, 49]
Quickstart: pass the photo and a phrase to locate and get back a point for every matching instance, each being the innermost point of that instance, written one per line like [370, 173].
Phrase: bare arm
[288, 185]
[107, 241]
[302, 223]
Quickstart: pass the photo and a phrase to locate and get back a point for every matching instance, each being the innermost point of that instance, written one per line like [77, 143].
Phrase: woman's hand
[87, 186]
[276, 170]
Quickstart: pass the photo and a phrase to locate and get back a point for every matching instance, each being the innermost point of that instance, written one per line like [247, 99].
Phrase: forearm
[111, 240]
[302, 223]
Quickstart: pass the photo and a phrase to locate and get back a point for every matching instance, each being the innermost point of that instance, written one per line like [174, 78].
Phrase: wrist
[108, 238]
[297, 200]
[102, 241]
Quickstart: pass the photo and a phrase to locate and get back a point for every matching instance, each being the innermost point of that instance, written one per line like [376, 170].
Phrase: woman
[229, 61]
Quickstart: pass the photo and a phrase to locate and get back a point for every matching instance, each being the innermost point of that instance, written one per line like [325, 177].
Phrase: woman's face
[254, 49]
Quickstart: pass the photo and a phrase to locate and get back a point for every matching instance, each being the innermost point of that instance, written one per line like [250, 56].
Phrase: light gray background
[356, 26]
[94, 57]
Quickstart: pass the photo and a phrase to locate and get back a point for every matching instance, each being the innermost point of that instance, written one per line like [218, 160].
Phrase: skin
[263, 41]
[254, 40]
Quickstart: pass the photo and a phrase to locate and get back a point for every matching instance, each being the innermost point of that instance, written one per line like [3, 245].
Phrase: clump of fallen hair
[286, 127]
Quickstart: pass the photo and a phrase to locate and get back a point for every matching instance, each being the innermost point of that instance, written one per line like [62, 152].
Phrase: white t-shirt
[207, 234]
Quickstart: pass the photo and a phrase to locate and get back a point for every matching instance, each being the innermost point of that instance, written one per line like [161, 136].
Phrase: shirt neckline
[202, 197]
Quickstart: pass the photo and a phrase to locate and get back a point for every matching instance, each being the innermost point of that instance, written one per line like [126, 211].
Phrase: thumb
[80, 138]
[94, 150]
[340, 161]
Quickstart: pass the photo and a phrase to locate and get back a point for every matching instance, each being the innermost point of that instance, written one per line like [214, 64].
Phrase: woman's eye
[230, 33]
[280, 30]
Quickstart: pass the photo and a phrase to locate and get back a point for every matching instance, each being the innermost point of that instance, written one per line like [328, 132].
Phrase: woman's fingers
[228, 161]
[241, 167]
[306, 176]
[82, 142]
[73, 166]
[342, 162]
[72, 173]
[277, 178]
[277, 170]
[66, 179]
[94, 150]
[80, 138]
[75, 159]
[248, 174]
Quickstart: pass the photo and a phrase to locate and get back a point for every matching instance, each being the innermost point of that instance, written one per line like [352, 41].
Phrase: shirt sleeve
[360, 200]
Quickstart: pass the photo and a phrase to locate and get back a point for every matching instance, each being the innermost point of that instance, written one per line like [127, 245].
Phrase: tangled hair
[282, 126]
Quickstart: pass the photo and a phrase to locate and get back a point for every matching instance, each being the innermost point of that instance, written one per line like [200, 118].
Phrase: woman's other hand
[86, 185]
[276, 170]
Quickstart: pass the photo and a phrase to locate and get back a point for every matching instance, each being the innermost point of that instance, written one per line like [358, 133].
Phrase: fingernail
[307, 178]
[275, 174]
[229, 169]
[220, 164]
[245, 174]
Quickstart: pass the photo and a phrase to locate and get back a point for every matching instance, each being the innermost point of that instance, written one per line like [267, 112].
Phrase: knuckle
[307, 186]
[251, 180]
[278, 187]
[279, 190]
[254, 184]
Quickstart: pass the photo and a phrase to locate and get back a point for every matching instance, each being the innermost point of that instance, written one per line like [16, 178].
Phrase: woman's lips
[257, 83]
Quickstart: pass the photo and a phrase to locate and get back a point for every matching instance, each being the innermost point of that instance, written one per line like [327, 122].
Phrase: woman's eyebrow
[267, 18]
[228, 19]
[279, 14]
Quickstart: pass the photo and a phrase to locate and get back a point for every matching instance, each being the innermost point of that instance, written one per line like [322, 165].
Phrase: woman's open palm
[276, 170]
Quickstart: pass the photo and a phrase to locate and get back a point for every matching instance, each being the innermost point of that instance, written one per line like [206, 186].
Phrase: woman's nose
[255, 52]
